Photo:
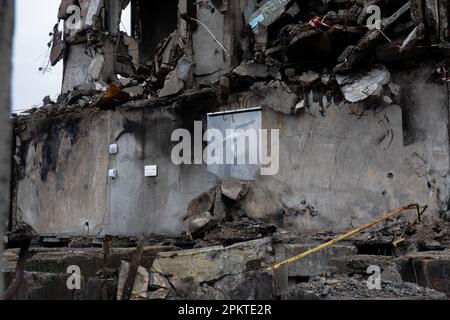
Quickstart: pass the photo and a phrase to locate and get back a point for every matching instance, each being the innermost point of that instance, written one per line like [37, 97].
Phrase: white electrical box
[112, 173]
[113, 149]
[151, 171]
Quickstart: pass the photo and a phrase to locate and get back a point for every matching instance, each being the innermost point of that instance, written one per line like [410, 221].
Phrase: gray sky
[34, 22]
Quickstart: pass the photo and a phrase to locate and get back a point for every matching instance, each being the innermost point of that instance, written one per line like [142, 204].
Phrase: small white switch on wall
[112, 173]
[113, 149]
[151, 171]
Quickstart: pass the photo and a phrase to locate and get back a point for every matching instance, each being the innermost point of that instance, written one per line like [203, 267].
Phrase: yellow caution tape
[349, 234]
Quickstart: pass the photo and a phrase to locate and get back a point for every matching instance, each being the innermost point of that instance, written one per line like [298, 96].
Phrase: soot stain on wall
[55, 130]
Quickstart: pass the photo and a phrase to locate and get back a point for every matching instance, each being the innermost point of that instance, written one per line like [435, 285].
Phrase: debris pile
[355, 288]
[349, 34]
[218, 217]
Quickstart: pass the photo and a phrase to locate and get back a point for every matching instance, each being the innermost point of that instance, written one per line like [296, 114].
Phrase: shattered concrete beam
[354, 55]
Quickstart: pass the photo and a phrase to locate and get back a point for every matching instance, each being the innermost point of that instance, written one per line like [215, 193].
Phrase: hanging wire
[212, 34]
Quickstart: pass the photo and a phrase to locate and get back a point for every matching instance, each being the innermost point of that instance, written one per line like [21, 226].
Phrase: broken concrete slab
[260, 202]
[234, 189]
[213, 263]
[134, 92]
[141, 282]
[201, 222]
[159, 294]
[123, 275]
[58, 46]
[354, 54]
[158, 281]
[199, 205]
[111, 98]
[242, 230]
[176, 79]
[357, 87]
[124, 81]
[308, 78]
[255, 70]
[276, 95]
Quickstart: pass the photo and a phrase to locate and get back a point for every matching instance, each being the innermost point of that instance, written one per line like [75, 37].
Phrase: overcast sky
[34, 22]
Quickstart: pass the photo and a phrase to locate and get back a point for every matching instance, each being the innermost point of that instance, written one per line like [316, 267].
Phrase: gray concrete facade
[337, 170]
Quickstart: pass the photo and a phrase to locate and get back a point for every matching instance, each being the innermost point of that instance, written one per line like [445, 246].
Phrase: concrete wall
[225, 22]
[6, 33]
[337, 170]
[65, 183]
[353, 168]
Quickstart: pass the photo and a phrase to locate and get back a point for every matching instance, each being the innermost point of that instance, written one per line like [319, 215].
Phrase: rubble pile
[355, 288]
[296, 55]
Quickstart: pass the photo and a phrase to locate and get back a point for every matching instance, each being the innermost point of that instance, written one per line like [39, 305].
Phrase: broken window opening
[152, 22]
[240, 139]
[125, 22]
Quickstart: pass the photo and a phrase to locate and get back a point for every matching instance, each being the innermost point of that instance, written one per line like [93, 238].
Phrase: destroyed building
[362, 110]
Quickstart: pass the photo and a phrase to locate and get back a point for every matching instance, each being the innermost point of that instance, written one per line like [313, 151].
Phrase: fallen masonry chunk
[201, 222]
[141, 282]
[125, 81]
[158, 281]
[159, 294]
[308, 78]
[212, 263]
[357, 87]
[353, 55]
[58, 46]
[239, 231]
[112, 98]
[176, 80]
[201, 204]
[234, 189]
[123, 275]
[134, 91]
[255, 70]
